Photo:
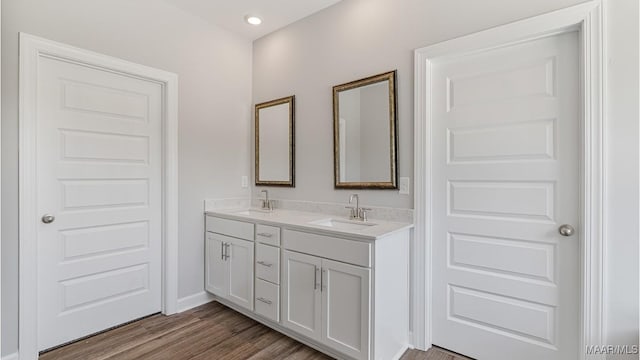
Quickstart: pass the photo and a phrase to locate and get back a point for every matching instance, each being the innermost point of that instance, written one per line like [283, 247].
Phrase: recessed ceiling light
[253, 20]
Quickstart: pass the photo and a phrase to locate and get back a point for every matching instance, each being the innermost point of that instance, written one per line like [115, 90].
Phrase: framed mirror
[274, 129]
[364, 133]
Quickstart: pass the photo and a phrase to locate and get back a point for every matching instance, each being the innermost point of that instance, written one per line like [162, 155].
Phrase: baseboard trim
[401, 352]
[13, 356]
[192, 301]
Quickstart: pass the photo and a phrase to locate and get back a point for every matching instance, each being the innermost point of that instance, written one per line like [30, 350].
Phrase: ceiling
[230, 14]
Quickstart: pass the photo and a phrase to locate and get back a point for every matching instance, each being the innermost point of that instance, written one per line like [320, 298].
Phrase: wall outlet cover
[404, 186]
[244, 182]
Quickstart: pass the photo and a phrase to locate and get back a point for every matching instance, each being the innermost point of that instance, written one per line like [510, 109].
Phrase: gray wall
[355, 39]
[214, 69]
[358, 38]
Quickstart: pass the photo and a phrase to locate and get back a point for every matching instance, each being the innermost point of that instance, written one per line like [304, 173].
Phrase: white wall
[214, 69]
[358, 38]
[621, 133]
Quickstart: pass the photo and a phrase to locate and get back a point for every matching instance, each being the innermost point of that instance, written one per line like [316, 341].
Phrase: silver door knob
[566, 230]
[48, 218]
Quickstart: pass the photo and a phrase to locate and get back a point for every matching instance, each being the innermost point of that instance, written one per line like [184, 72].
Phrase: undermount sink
[342, 224]
[251, 212]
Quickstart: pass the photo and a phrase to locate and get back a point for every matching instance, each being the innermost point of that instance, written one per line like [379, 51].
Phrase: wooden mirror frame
[291, 181]
[393, 133]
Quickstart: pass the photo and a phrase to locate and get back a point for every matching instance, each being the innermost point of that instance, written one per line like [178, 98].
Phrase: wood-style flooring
[211, 332]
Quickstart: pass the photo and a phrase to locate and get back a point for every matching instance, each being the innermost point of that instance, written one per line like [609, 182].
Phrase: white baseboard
[184, 304]
[191, 301]
[401, 352]
[13, 356]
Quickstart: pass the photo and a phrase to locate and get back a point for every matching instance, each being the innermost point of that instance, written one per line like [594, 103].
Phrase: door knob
[566, 230]
[48, 218]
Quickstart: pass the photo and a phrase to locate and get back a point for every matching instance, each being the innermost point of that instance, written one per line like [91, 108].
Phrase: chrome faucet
[266, 203]
[357, 213]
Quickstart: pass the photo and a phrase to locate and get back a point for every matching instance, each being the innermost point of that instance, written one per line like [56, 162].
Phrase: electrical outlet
[404, 186]
[244, 182]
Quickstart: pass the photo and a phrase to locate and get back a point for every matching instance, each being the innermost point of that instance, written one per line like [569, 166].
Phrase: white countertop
[298, 220]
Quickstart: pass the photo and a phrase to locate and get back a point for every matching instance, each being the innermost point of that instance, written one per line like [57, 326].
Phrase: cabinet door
[346, 305]
[216, 274]
[240, 265]
[301, 300]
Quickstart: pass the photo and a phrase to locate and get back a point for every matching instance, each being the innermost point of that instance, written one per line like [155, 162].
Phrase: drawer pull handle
[268, 302]
[323, 280]
[267, 235]
[264, 263]
[226, 250]
[315, 277]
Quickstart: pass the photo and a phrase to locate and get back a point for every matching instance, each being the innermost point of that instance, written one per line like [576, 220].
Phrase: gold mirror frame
[393, 138]
[291, 181]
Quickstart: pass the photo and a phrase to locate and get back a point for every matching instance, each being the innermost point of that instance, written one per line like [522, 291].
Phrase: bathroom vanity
[337, 285]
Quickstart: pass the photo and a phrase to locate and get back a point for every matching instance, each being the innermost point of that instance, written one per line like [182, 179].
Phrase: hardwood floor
[211, 332]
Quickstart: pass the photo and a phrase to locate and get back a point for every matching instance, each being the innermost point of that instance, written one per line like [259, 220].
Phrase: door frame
[32, 48]
[588, 19]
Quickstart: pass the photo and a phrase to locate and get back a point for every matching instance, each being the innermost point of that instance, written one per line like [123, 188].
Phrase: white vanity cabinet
[229, 257]
[350, 295]
[328, 301]
[342, 293]
[302, 299]
[267, 294]
[346, 308]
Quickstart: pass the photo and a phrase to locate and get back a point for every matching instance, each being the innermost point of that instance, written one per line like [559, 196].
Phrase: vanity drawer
[268, 234]
[238, 229]
[267, 301]
[349, 251]
[268, 263]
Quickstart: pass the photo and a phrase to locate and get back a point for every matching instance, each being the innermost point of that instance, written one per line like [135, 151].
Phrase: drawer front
[348, 251]
[267, 301]
[268, 263]
[268, 234]
[238, 229]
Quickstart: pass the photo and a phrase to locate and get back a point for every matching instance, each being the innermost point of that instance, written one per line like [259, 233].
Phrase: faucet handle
[352, 212]
[363, 213]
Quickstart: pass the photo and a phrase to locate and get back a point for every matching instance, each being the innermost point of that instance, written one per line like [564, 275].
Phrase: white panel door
[302, 300]
[346, 308]
[217, 273]
[505, 170]
[239, 255]
[99, 175]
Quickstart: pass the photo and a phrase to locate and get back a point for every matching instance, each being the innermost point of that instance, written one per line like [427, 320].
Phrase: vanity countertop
[307, 221]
